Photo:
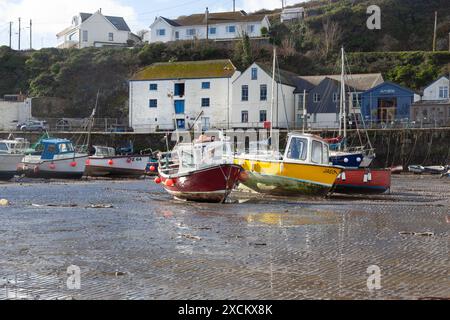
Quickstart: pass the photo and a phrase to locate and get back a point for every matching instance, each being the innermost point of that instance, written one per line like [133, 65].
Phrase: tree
[331, 36]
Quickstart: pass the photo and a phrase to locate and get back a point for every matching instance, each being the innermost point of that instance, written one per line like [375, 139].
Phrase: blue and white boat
[54, 159]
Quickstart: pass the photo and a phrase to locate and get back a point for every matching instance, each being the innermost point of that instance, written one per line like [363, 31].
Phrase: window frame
[262, 112]
[153, 103]
[254, 73]
[244, 86]
[153, 87]
[244, 112]
[228, 28]
[314, 144]
[206, 85]
[206, 105]
[85, 36]
[316, 97]
[261, 91]
[161, 32]
[111, 36]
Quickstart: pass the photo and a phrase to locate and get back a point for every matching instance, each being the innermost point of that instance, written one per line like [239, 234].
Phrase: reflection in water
[292, 219]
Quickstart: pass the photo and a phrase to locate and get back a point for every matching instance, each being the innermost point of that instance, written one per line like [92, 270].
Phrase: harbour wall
[428, 146]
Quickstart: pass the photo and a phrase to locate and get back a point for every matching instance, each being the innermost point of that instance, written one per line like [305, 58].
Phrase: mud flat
[132, 241]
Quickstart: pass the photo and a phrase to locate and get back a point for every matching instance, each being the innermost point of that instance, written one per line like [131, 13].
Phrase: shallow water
[148, 246]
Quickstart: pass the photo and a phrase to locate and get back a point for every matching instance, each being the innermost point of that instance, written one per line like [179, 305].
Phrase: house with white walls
[96, 30]
[14, 109]
[215, 26]
[252, 98]
[438, 90]
[172, 95]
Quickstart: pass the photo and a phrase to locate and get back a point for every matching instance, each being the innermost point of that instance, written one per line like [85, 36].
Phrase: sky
[51, 16]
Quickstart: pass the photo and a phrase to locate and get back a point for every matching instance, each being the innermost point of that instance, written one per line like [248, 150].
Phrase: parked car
[33, 125]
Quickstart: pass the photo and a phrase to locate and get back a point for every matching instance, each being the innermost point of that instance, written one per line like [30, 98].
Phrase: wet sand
[142, 244]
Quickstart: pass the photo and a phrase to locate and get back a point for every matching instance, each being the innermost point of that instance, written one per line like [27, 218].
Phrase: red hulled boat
[199, 171]
[363, 181]
[209, 184]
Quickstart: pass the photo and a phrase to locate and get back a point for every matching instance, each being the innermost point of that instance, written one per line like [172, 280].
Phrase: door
[181, 124]
[179, 106]
[387, 109]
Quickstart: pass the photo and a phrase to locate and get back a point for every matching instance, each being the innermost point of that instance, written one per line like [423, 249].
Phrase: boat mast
[343, 111]
[272, 101]
[91, 123]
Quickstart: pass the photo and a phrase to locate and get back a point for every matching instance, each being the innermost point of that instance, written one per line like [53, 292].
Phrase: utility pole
[435, 29]
[207, 23]
[234, 5]
[31, 35]
[282, 4]
[19, 36]
[10, 34]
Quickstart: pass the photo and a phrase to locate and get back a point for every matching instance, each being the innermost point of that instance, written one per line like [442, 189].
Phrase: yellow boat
[304, 169]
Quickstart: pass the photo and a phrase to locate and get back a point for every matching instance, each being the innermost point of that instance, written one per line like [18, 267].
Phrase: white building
[220, 26]
[96, 30]
[252, 98]
[166, 96]
[437, 91]
[292, 14]
[14, 109]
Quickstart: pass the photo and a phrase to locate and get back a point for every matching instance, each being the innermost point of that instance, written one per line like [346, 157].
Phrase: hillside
[400, 50]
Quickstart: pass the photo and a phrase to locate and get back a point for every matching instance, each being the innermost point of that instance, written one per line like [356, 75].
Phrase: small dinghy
[416, 169]
[397, 169]
[435, 169]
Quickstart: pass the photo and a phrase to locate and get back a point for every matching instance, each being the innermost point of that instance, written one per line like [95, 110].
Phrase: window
[206, 85]
[205, 123]
[205, 102]
[85, 36]
[244, 116]
[316, 155]
[443, 92]
[231, 29]
[316, 97]
[244, 93]
[251, 28]
[326, 154]
[212, 30]
[298, 149]
[336, 96]
[254, 73]
[190, 32]
[263, 92]
[153, 87]
[356, 100]
[3, 147]
[262, 116]
[153, 103]
[111, 36]
[161, 32]
[177, 35]
[300, 104]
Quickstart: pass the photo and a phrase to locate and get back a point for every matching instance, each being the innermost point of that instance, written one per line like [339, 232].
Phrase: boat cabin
[104, 151]
[307, 148]
[16, 146]
[52, 147]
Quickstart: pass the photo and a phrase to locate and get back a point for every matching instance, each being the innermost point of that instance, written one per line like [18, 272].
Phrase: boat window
[326, 154]
[298, 149]
[51, 148]
[63, 148]
[3, 147]
[316, 155]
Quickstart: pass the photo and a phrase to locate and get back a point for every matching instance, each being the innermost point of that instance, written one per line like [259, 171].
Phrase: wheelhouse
[52, 147]
[307, 148]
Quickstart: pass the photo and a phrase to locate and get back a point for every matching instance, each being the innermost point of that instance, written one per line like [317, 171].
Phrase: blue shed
[387, 102]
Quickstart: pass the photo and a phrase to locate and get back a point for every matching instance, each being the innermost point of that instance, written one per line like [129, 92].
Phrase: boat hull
[54, 169]
[211, 184]
[363, 181]
[8, 165]
[118, 166]
[288, 179]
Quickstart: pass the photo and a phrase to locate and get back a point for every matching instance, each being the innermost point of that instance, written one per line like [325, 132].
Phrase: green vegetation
[400, 51]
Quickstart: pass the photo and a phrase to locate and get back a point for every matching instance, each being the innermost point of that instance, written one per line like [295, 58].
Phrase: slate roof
[118, 22]
[281, 76]
[186, 70]
[360, 82]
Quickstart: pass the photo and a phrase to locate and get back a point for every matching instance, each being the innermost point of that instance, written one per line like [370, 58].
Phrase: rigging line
[282, 95]
[359, 105]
